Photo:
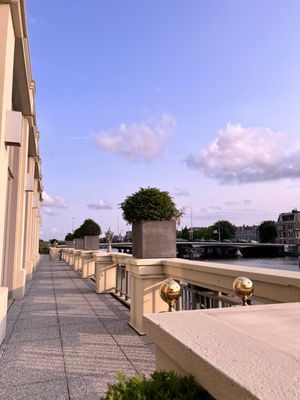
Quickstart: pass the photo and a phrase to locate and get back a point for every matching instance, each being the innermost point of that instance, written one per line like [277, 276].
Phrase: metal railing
[192, 297]
[122, 282]
[195, 297]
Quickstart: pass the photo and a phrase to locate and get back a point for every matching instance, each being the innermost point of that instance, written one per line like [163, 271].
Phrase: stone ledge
[237, 353]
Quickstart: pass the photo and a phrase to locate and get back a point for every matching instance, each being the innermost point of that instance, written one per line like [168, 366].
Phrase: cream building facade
[20, 163]
[288, 228]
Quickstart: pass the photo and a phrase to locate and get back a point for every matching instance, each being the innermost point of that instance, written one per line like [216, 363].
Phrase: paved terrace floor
[64, 341]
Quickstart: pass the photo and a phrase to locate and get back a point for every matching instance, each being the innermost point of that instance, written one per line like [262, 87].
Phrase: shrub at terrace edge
[160, 386]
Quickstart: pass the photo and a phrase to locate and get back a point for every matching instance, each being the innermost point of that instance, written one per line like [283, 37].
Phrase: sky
[198, 98]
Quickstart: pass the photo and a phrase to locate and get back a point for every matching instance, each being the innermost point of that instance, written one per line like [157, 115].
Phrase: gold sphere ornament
[170, 291]
[244, 288]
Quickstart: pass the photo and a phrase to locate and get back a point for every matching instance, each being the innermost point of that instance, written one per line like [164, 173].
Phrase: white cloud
[137, 141]
[54, 230]
[180, 192]
[233, 203]
[216, 208]
[247, 201]
[53, 202]
[49, 211]
[243, 155]
[100, 205]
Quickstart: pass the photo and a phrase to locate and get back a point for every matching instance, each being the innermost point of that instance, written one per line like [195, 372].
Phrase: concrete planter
[78, 244]
[91, 243]
[154, 239]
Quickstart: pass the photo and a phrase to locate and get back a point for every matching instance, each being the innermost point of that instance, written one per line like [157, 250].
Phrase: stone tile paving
[64, 341]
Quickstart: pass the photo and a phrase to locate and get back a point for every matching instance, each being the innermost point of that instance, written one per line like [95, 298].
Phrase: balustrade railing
[195, 297]
[204, 285]
[122, 282]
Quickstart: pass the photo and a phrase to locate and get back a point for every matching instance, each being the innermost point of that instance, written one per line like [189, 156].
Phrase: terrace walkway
[64, 341]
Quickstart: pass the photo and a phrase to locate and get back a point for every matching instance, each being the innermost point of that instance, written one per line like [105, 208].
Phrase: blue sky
[199, 98]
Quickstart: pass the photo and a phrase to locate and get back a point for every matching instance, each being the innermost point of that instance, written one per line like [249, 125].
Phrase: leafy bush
[77, 233]
[69, 237]
[88, 228]
[160, 386]
[149, 204]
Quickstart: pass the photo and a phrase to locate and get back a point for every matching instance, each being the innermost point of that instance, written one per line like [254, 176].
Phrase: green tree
[227, 230]
[69, 237]
[185, 233]
[267, 231]
[202, 233]
[43, 244]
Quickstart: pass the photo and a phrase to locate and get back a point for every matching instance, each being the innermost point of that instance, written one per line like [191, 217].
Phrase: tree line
[267, 232]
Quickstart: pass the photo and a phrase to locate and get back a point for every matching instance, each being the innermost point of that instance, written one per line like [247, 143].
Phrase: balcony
[221, 347]
[65, 341]
[71, 333]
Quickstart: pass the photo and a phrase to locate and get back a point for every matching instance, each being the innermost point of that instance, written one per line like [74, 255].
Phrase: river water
[285, 263]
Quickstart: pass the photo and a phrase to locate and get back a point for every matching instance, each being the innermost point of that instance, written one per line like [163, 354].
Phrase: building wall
[288, 228]
[20, 172]
[247, 233]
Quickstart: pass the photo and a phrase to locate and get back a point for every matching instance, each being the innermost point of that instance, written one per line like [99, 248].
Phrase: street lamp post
[108, 235]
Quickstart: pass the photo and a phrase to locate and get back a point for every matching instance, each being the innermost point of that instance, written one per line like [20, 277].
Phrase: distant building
[246, 233]
[128, 236]
[288, 228]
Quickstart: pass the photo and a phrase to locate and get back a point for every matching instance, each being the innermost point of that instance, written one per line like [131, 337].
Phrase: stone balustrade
[234, 353]
[147, 275]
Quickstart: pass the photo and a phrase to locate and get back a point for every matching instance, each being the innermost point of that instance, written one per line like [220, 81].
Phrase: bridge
[203, 250]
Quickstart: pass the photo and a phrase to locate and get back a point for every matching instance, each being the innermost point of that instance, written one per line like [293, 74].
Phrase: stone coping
[235, 353]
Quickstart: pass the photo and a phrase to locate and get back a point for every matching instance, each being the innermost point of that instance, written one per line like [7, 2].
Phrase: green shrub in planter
[160, 386]
[77, 233]
[153, 215]
[90, 228]
[69, 237]
[149, 204]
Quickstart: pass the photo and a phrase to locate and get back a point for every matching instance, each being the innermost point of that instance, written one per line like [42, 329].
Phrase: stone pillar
[28, 264]
[71, 258]
[7, 45]
[20, 169]
[87, 263]
[3, 311]
[77, 260]
[145, 279]
[105, 272]
[55, 253]
[33, 239]
[67, 253]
